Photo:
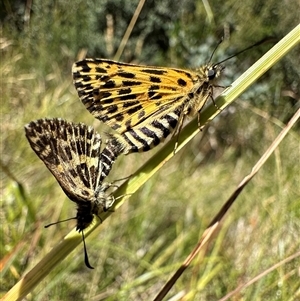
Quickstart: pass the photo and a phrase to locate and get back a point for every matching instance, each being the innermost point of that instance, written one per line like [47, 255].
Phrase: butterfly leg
[178, 129]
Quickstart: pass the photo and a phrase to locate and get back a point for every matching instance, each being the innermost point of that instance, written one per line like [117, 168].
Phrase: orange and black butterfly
[143, 104]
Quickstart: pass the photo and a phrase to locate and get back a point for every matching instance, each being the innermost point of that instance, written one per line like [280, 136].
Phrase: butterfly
[72, 153]
[142, 104]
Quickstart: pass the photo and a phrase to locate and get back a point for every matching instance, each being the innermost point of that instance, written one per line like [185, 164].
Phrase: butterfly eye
[211, 74]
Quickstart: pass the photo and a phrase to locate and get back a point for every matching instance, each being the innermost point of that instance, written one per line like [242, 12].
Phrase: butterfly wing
[124, 95]
[71, 152]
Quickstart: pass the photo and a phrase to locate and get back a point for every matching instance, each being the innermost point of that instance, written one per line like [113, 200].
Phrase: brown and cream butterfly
[72, 152]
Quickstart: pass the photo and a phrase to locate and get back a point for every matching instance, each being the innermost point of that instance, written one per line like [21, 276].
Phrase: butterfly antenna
[215, 50]
[246, 49]
[58, 222]
[86, 257]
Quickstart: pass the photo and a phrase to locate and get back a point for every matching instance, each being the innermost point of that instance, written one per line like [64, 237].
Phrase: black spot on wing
[79, 148]
[130, 104]
[83, 66]
[100, 70]
[130, 83]
[126, 74]
[80, 86]
[125, 94]
[107, 100]
[82, 171]
[181, 82]
[109, 84]
[112, 109]
[154, 87]
[102, 94]
[155, 79]
[94, 153]
[81, 132]
[128, 97]
[135, 109]
[73, 173]
[119, 117]
[50, 158]
[85, 78]
[68, 152]
[73, 145]
[154, 71]
[124, 91]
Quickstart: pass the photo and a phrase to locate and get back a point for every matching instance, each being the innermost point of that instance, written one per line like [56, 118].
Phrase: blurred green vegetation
[144, 242]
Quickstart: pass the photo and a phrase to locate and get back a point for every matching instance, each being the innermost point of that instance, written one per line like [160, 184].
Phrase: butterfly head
[103, 202]
[214, 71]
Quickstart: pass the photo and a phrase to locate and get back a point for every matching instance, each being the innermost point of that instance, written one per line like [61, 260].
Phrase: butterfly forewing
[144, 104]
[123, 95]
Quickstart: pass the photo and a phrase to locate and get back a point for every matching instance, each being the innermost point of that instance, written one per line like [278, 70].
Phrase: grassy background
[140, 246]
